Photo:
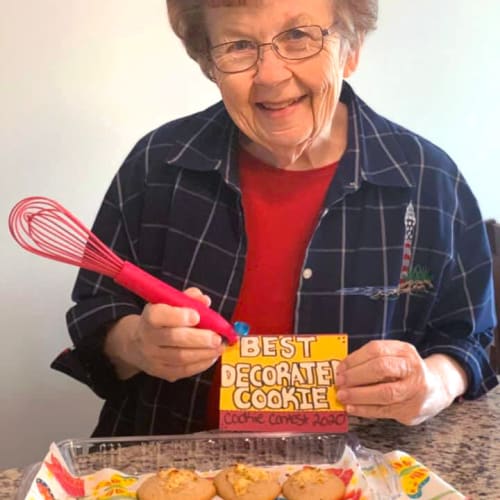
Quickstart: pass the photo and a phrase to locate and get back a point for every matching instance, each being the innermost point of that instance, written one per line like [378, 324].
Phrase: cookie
[176, 484]
[312, 483]
[241, 482]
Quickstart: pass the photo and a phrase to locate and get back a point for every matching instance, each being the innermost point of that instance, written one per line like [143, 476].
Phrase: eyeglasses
[294, 44]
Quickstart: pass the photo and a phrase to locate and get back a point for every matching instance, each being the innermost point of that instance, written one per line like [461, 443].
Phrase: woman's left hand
[389, 379]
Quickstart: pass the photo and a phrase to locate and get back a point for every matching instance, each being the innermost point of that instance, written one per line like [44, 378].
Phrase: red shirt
[281, 209]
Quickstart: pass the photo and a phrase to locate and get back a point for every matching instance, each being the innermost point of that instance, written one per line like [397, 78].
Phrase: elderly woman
[293, 206]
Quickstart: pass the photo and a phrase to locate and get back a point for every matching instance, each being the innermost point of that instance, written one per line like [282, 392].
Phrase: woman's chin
[277, 139]
[284, 151]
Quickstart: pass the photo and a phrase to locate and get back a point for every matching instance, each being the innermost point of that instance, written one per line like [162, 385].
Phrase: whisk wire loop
[46, 228]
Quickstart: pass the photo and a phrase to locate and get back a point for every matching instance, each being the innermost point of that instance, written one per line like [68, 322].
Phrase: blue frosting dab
[241, 328]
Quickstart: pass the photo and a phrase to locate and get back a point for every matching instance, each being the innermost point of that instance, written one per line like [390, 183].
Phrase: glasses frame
[324, 33]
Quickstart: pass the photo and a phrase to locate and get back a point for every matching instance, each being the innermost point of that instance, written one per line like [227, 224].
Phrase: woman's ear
[210, 74]
[351, 63]
[352, 59]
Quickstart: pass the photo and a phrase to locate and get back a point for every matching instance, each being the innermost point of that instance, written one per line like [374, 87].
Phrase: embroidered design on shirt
[410, 222]
[412, 281]
[418, 281]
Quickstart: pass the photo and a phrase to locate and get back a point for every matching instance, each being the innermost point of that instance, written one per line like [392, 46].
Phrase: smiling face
[287, 110]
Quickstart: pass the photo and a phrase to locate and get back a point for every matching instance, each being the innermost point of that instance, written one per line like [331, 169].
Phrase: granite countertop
[9, 480]
[460, 445]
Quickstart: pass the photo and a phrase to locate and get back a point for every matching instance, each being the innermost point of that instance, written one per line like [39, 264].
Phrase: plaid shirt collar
[204, 147]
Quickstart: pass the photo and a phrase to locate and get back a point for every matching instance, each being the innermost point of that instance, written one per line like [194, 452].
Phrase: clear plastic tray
[215, 450]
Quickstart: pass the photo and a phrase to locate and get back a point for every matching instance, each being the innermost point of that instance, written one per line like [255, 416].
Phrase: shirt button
[307, 273]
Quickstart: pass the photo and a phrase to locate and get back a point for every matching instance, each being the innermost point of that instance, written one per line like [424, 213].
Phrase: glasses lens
[299, 42]
[296, 43]
[235, 56]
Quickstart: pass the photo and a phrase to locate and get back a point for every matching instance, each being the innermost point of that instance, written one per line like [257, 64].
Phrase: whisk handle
[153, 290]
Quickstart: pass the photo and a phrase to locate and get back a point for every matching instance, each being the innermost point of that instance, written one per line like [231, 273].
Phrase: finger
[393, 412]
[371, 411]
[377, 370]
[196, 293]
[188, 338]
[174, 373]
[373, 350]
[377, 395]
[163, 315]
[174, 357]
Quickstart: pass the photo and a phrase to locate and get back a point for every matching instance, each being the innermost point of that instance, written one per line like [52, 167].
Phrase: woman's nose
[270, 68]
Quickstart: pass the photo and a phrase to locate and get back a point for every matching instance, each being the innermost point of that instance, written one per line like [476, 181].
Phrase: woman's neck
[324, 150]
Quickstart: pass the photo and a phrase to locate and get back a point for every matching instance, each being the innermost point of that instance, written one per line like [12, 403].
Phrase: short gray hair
[354, 19]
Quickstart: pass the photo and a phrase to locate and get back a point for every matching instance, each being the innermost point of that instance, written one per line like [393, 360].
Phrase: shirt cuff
[474, 360]
[88, 323]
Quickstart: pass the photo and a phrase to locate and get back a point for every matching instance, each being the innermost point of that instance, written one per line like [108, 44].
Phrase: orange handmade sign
[282, 383]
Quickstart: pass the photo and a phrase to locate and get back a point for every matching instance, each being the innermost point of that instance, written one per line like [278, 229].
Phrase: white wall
[82, 80]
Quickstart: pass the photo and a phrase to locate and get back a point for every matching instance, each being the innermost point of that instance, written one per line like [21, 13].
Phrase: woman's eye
[295, 34]
[240, 46]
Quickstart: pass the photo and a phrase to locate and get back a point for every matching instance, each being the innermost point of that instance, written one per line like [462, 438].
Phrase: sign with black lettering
[282, 383]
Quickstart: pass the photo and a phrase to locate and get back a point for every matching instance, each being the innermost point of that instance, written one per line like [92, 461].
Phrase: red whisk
[44, 227]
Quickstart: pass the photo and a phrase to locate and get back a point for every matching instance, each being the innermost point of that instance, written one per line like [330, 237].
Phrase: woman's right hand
[163, 342]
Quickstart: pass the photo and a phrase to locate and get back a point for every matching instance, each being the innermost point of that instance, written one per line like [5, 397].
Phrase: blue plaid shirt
[399, 252]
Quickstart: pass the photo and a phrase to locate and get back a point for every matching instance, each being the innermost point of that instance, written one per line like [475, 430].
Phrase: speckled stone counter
[9, 480]
[461, 445]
